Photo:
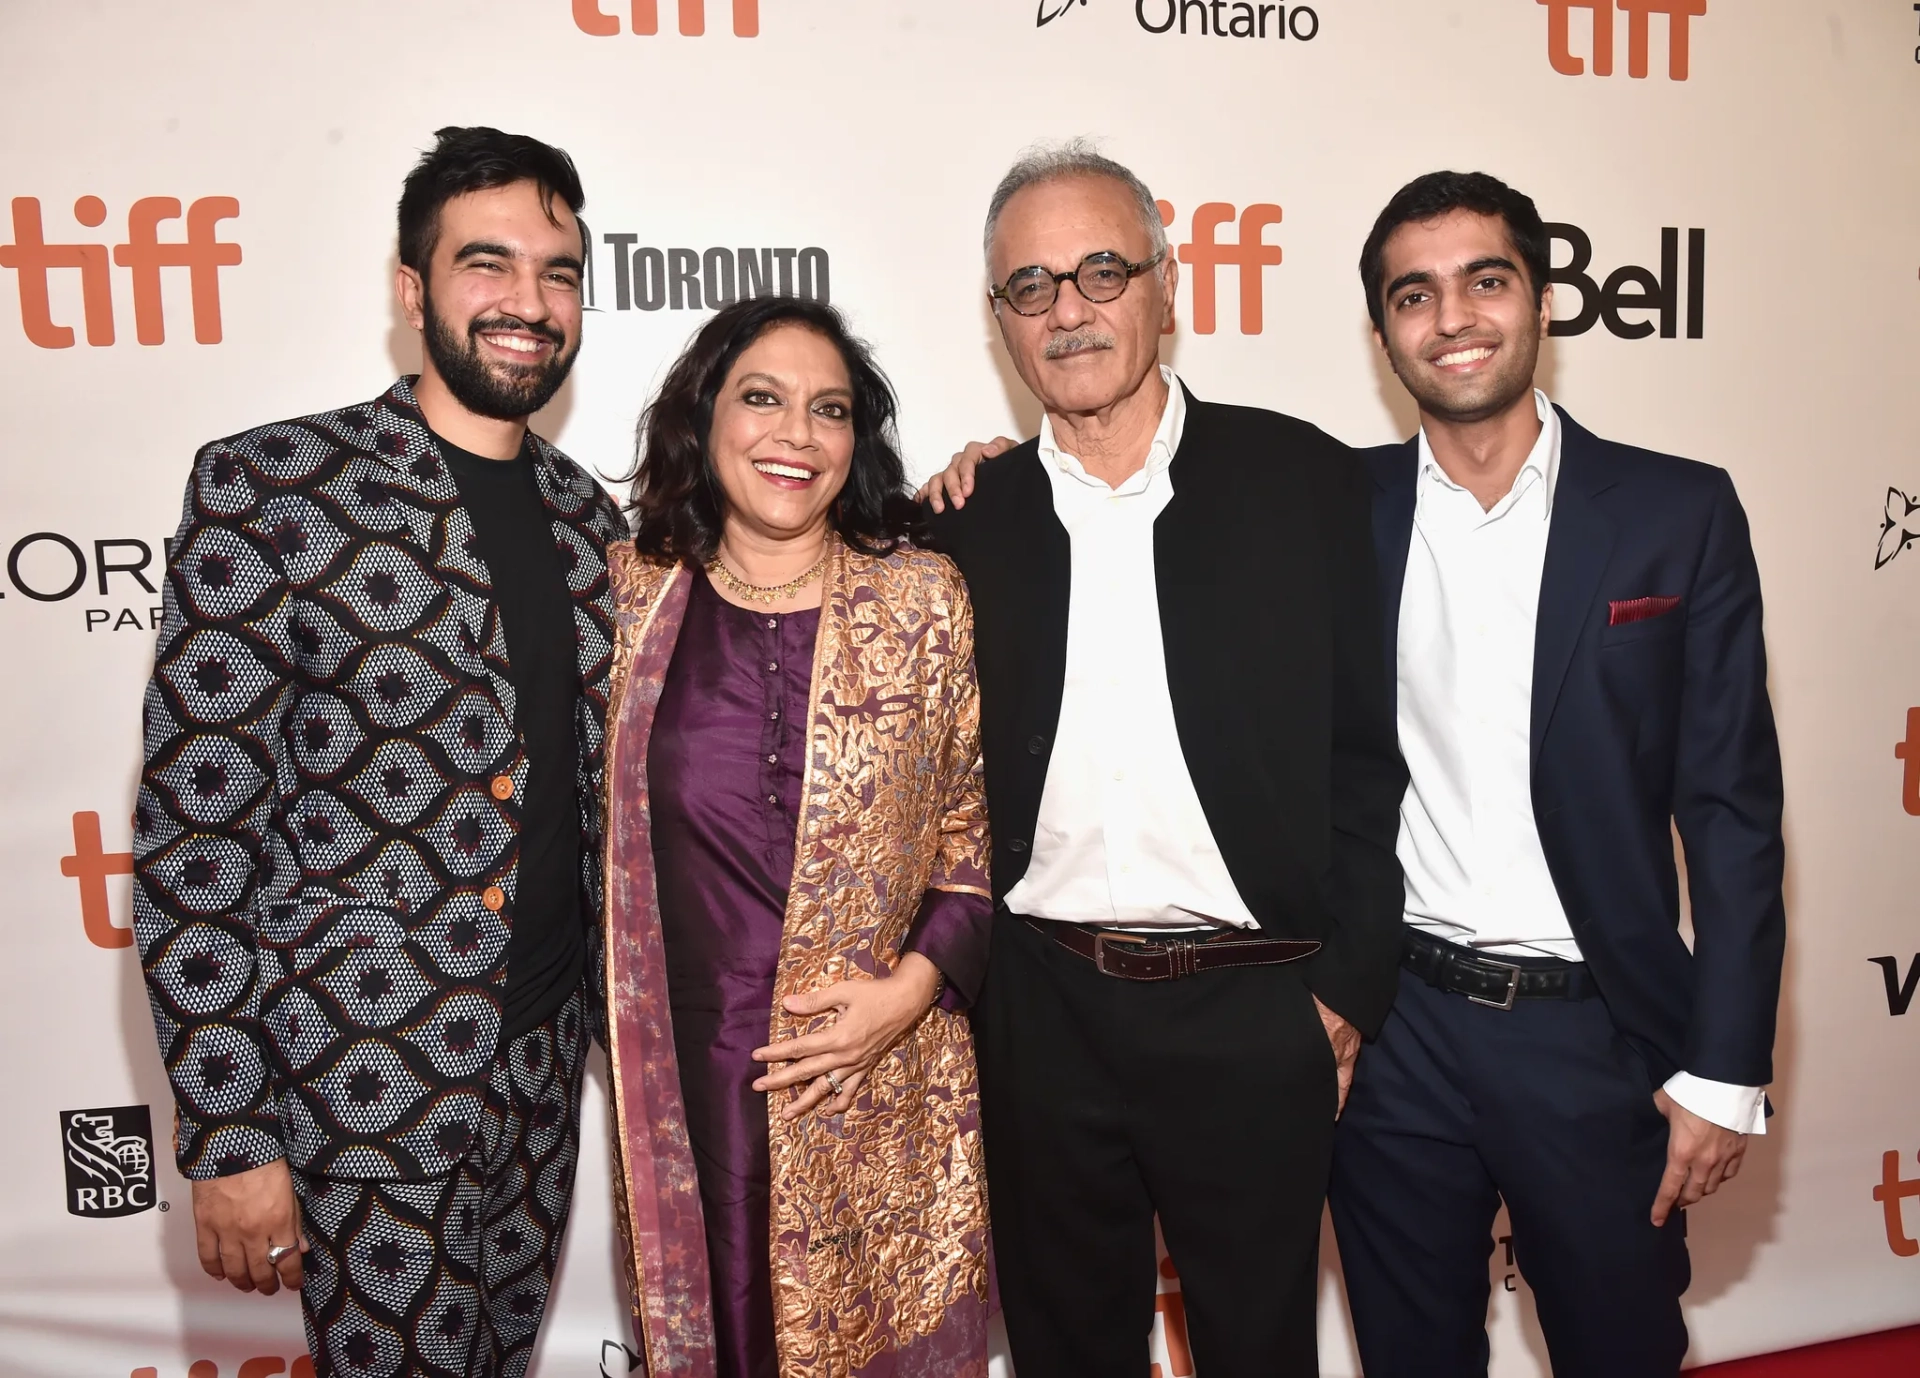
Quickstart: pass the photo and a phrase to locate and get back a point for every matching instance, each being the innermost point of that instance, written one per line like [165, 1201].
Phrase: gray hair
[1073, 158]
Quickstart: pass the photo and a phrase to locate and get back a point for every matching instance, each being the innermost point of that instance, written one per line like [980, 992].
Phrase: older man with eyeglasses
[1194, 788]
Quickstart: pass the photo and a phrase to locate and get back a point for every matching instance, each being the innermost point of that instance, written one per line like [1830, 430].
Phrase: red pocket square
[1624, 610]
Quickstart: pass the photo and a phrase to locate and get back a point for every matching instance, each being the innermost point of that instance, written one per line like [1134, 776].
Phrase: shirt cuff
[1743, 1109]
[951, 932]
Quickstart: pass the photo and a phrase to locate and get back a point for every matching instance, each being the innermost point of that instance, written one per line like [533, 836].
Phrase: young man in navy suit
[1577, 630]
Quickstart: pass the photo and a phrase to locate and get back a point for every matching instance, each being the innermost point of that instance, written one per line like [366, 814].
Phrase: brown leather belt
[1137, 957]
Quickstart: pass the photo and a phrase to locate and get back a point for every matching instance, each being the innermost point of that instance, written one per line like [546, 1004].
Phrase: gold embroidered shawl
[878, 1216]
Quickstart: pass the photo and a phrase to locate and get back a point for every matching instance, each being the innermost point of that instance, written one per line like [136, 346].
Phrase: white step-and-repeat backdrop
[199, 237]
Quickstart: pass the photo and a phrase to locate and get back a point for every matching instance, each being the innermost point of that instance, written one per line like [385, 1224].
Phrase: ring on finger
[278, 1252]
[833, 1080]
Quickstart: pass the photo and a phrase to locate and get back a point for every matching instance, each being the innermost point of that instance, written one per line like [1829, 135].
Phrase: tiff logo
[266, 1366]
[1204, 255]
[644, 18]
[1894, 1189]
[91, 864]
[1679, 14]
[1909, 752]
[144, 254]
[1170, 1314]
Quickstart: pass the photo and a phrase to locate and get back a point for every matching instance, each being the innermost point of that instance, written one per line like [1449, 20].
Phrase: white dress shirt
[1121, 839]
[1476, 873]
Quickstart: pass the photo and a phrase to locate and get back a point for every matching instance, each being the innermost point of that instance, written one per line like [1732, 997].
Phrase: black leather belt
[1138, 957]
[1492, 981]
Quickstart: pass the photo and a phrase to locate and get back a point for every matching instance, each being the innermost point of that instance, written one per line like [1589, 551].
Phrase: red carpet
[1890, 1354]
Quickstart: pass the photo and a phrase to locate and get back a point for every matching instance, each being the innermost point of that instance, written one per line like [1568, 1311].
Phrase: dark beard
[503, 392]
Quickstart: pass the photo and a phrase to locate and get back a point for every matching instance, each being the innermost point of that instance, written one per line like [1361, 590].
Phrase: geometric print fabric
[449, 1278]
[327, 837]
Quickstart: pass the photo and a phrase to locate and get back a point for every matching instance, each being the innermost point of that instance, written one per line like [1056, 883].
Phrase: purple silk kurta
[726, 764]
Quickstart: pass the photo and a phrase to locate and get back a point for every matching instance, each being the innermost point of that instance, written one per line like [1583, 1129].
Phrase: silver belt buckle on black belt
[1513, 985]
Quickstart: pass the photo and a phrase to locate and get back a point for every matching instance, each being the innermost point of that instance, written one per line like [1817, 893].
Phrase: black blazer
[1641, 724]
[1269, 610]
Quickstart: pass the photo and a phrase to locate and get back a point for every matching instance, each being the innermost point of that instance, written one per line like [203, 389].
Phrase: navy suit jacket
[1641, 725]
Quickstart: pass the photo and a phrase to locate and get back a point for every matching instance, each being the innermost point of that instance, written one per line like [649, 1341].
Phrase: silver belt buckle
[1101, 941]
[1100, 955]
[1513, 985]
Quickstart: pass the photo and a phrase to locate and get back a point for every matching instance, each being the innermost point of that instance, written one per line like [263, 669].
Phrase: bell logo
[144, 253]
[1679, 13]
[91, 864]
[1633, 288]
[1204, 254]
[644, 18]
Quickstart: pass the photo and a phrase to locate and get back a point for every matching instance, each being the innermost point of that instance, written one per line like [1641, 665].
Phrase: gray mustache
[1061, 345]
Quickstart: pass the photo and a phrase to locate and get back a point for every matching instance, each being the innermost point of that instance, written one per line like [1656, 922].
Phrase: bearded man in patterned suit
[367, 836]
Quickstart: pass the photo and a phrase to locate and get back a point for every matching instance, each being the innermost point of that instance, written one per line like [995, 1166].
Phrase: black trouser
[1457, 1106]
[1208, 1100]
[448, 1278]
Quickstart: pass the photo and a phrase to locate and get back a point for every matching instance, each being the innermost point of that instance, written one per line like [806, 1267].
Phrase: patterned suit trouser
[448, 1278]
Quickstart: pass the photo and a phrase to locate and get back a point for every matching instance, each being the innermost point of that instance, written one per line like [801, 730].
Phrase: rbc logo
[109, 1161]
[645, 18]
[1203, 254]
[1639, 12]
[144, 253]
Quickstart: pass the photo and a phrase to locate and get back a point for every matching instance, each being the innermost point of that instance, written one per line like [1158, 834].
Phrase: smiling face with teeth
[781, 446]
[498, 307]
[1462, 323]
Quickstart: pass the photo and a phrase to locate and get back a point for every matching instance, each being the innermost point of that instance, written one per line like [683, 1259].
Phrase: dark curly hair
[478, 158]
[1434, 195]
[677, 505]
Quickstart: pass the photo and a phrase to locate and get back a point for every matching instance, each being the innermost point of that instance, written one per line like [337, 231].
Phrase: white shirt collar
[1166, 441]
[1542, 465]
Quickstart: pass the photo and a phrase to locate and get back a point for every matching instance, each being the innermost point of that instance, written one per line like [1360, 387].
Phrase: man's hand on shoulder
[954, 484]
[1701, 1155]
[237, 1219]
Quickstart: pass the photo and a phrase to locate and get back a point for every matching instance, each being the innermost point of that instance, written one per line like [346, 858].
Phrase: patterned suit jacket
[327, 836]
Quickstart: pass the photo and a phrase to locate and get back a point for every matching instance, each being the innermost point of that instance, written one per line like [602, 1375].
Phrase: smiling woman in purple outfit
[798, 893]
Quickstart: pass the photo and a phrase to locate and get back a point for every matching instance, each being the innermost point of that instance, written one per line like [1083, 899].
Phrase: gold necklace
[758, 593]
